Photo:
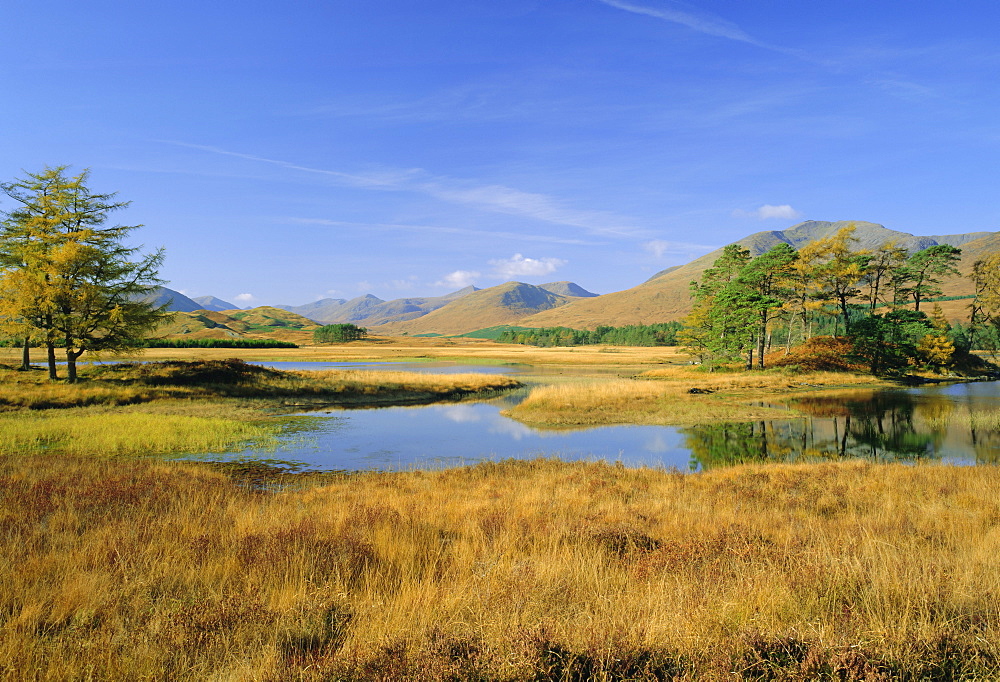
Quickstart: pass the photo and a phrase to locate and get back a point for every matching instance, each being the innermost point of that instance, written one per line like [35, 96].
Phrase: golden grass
[124, 569]
[627, 401]
[131, 383]
[409, 349]
[88, 431]
[665, 398]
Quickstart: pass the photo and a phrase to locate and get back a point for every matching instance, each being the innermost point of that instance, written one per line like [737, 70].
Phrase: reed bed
[541, 570]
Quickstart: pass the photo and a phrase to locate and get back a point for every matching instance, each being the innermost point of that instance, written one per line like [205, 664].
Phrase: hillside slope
[666, 295]
[503, 304]
[370, 310]
[175, 300]
[259, 323]
[213, 303]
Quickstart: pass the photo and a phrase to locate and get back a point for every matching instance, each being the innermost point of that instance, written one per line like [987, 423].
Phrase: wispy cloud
[702, 23]
[244, 298]
[492, 198]
[439, 229]
[712, 26]
[904, 89]
[661, 249]
[519, 266]
[511, 201]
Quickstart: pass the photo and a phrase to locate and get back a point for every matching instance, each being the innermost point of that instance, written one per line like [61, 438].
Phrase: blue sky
[285, 152]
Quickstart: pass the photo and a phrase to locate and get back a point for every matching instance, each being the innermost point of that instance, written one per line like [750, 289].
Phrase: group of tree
[339, 333]
[664, 334]
[68, 278]
[742, 304]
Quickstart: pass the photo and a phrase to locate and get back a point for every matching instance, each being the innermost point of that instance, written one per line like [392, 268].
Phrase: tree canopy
[741, 302]
[67, 277]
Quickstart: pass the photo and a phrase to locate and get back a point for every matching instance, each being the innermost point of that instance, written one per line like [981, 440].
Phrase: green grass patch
[98, 432]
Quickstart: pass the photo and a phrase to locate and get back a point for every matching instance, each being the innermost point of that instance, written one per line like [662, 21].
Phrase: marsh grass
[195, 407]
[134, 383]
[86, 431]
[664, 396]
[125, 569]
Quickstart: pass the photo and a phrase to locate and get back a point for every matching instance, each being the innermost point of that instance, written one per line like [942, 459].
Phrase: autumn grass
[82, 432]
[408, 349]
[195, 407]
[134, 383]
[663, 396]
[130, 569]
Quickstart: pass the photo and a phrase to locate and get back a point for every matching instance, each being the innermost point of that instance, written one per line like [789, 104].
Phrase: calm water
[929, 423]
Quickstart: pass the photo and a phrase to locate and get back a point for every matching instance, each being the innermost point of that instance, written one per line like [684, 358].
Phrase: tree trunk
[26, 355]
[51, 352]
[847, 319]
[71, 356]
[761, 340]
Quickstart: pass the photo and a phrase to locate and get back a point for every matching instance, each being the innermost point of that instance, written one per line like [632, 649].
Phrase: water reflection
[906, 425]
[959, 424]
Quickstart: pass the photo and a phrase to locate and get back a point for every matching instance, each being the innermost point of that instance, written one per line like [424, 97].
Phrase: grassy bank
[201, 406]
[133, 383]
[410, 349]
[676, 396]
[125, 569]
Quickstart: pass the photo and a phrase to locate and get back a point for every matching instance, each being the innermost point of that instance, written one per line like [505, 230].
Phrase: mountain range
[663, 297]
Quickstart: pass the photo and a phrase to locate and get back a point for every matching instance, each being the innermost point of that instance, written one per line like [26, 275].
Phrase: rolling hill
[665, 296]
[175, 300]
[260, 323]
[503, 304]
[370, 310]
[213, 303]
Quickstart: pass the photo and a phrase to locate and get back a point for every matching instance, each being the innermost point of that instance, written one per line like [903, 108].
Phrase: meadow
[120, 568]
[115, 566]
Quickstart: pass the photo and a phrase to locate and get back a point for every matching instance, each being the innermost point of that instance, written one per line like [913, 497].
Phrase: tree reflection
[874, 425]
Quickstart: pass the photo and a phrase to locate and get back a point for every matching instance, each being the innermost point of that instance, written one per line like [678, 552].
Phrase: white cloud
[244, 298]
[657, 247]
[519, 266]
[767, 212]
[458, 279]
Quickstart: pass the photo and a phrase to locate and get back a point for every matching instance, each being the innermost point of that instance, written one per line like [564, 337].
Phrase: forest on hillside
[875, 298]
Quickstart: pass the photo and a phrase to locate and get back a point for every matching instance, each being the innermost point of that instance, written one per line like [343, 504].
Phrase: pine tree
[925, 269]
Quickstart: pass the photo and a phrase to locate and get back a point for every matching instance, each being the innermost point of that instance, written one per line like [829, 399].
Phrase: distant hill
[213, 303]
[666, 295]
[567, 289]
[263, 323]
[176, 300]
[503, 304]
[370, 310]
